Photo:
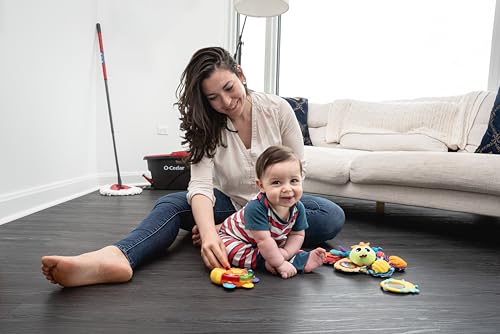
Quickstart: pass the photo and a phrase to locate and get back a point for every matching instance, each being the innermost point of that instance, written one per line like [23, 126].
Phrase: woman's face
[225, 92]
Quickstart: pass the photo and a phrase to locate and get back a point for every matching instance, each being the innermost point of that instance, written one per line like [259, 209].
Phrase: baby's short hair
[273, 155]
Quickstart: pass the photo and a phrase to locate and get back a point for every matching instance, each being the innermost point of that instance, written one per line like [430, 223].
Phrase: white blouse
[232, 169]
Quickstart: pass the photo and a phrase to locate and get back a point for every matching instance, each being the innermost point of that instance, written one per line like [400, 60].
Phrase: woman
[226, 128]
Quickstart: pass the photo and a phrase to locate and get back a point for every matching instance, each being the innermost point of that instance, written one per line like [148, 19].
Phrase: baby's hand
[287, 270]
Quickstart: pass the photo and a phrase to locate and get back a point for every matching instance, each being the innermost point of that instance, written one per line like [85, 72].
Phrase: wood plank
[452, 256]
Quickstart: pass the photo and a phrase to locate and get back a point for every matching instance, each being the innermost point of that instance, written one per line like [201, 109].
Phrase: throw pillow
[300, 107]
[491, 139]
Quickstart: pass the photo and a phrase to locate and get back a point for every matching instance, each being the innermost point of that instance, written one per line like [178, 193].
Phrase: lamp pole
[239, 46]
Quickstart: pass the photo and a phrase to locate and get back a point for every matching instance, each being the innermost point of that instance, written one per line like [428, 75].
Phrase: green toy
[362, 258]
[362, 254]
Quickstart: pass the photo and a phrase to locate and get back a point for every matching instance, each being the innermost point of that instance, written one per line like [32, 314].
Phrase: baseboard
[129, 178]
[28, 201]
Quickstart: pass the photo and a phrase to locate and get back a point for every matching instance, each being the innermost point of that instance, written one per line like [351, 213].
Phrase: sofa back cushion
[490, 141]
[480, 123]
[475, 123]
[392, 142]
[317, 119]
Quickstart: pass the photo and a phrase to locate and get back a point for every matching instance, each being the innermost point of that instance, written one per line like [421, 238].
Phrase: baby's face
[282, 183]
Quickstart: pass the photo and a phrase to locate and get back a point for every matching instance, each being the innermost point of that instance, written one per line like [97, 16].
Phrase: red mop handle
[101, 49]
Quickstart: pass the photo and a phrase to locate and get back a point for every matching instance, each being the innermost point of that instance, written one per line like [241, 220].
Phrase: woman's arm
[201, 198]
[213, 251]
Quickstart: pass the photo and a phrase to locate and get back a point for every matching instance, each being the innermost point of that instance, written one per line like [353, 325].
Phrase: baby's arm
[272, 254]
[293, 244]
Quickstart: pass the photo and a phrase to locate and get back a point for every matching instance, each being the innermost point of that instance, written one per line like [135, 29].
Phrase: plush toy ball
[362, 254]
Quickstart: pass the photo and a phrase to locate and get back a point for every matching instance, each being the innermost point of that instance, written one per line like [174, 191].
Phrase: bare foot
[315, 259]
[106, 265]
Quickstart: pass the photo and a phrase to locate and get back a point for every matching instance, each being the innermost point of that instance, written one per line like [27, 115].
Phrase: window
[253, 51]
[378, 50]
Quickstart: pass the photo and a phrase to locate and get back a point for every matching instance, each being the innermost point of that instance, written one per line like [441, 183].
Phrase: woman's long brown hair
[201, 124]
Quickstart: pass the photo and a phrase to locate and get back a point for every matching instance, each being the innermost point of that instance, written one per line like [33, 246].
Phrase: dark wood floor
[453, 257]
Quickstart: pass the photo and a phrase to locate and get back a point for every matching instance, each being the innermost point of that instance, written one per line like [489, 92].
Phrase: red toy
[233, 278]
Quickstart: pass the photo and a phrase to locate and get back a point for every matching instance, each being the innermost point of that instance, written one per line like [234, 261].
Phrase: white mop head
[119, 190]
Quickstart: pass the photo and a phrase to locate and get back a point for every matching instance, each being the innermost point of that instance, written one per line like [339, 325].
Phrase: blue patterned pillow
[300, 107]
[491, 138]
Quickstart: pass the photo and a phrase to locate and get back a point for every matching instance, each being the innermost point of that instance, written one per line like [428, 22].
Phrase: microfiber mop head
[119, 190]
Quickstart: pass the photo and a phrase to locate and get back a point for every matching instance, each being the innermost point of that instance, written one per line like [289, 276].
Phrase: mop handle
[101, 48]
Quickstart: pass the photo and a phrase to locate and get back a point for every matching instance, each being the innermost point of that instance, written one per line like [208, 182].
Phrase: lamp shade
[261, 8]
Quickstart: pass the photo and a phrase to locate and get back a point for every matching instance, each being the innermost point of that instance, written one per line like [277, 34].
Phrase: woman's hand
[213, 251]
[195, 234]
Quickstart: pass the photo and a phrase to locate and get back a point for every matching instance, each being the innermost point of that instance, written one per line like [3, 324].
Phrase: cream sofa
[399, 152]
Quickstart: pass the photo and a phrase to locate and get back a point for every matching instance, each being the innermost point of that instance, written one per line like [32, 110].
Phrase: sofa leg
[379, 208]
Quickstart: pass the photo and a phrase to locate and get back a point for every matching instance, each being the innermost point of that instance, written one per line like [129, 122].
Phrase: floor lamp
[257, 8]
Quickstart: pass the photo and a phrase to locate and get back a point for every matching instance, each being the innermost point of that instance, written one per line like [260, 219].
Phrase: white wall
[54, 130]
[147, 46]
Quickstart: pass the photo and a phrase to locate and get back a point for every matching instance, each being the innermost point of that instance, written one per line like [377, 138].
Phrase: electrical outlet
[162, 129]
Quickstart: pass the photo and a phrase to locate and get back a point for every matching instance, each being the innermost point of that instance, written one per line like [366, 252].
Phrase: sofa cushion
[300, 108]
[392, 142]
[330, 165]
[440, 120]
[491, 139]
[476, 106]
[318, 114]
[318, 137]
[448, 119]
[453, 171]
[480, 124]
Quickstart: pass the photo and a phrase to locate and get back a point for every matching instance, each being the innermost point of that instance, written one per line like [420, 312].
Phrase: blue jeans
[160, 228]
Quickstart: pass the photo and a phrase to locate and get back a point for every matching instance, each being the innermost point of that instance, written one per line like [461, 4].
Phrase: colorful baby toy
[365, 259]
[399, 286]
[233, 278]
[371, 260]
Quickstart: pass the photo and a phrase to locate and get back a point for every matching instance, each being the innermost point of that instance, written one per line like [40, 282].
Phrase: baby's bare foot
[315, 259]
[106, 265]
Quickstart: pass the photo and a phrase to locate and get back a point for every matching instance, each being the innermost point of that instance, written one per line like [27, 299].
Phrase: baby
[269, 230]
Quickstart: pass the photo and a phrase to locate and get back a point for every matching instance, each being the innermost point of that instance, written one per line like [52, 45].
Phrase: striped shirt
[257, 215]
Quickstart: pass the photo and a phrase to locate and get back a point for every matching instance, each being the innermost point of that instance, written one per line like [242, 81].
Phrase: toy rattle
[234, 278]
[399, 286]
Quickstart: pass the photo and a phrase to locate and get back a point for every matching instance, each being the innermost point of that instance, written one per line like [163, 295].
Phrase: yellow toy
[369, 260]
[399, 286]
[233, 278]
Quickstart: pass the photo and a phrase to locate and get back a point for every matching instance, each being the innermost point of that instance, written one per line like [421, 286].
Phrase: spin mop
[117, 189]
